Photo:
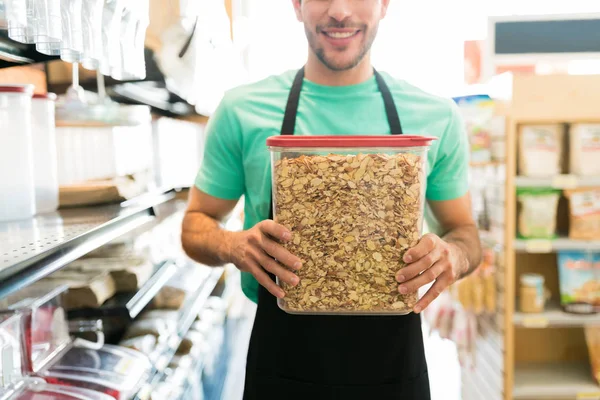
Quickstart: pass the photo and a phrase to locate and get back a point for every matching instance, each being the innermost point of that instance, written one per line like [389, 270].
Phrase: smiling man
[337, 92]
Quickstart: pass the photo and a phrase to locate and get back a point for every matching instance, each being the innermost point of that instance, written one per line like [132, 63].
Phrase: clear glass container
[354, 205]
[72, 35]
[44, 152]
[17, 196]
[92, 33]
[45, 323]
[113, 370]
[49, 29]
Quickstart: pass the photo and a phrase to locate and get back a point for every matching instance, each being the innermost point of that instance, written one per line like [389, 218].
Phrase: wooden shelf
[554, 317]
[558, 181]
[555, 382]
[541, 246]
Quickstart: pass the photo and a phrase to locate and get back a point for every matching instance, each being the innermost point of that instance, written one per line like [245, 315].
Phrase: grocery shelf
[130, 305]
[191, 309]
[552, 245]
[554, 317]
[35, 248]
[555, 382]
[558, 181]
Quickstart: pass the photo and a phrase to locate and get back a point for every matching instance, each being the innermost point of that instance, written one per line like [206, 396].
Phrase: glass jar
[45, 171]
[17, 198]
[532, 293]
[354, 205]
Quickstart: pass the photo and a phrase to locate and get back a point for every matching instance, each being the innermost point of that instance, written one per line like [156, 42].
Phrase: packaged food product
[532, 293]
[129, 274]
[537, 214]
[354, 205]
[584, 149]
[146, 344]
[592, 338]
[173, 295]
[86, 289]
[579, 278]
[541, 150]
[113, 370]
[159, 328]
[584, 213]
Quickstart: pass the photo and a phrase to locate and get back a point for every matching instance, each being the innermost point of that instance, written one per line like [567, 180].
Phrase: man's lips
[334, 33]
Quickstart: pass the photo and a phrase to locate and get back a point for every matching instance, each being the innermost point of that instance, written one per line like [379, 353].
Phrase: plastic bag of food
[537, 215]
[592, 338]
[584, 213]
[585, 149]
[541, 149]
[579, 278]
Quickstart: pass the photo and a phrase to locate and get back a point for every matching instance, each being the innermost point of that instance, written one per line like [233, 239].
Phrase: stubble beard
[320, 52]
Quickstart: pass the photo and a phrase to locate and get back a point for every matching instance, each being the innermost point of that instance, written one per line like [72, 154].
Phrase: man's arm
[253, 251]
[444, 259]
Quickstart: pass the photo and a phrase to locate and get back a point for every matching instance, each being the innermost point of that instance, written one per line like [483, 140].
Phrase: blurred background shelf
[555, 382]
[33, 249]
[554, 317]
[552, 245]
[558, 182]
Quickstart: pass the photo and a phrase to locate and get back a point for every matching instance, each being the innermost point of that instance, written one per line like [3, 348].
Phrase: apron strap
[291, 109]
[390, 106]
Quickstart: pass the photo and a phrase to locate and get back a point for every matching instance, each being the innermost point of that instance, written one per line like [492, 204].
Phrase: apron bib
[308, 357]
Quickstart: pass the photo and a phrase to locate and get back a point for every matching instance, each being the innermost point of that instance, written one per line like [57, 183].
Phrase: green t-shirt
[236, 160]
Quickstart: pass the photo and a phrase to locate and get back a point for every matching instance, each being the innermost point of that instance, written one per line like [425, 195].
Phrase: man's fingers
[279, 253]
[424, 247]
[419, 265]
[276, 269]
[263, 278]
[428, 276]
[275, 230]
[434, 291]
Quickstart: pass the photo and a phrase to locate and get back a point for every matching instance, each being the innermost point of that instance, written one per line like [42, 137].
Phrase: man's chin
[340, 65]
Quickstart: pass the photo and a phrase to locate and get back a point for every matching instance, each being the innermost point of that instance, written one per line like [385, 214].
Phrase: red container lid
[45, 96]
[386, 141]
[25, 89]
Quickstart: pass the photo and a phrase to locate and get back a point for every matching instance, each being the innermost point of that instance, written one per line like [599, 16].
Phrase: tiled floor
[444, 370]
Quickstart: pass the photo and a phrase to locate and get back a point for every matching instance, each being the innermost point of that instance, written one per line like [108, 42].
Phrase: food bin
[354, 205]
[113, 370]
[44, 321]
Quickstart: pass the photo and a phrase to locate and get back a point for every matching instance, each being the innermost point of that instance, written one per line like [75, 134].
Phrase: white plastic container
[354, 205]
[17, 196]
[45, 171]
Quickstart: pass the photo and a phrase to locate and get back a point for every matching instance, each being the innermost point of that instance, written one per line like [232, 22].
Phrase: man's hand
[432, 259]
[256, 251]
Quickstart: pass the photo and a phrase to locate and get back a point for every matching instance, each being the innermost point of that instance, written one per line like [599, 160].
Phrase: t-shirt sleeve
[449, 177]
[221, 173]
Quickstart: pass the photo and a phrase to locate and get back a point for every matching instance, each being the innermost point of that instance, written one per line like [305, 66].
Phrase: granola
[353, 218]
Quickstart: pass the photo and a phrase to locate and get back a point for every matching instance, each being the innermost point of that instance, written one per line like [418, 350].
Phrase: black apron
[311, 357]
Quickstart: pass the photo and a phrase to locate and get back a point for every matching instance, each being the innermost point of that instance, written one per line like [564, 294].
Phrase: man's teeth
[340, 35]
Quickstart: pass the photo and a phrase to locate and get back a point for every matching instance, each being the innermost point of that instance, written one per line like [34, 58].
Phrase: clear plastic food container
[17, 197]
[45, 323]
[113, 370]
[38, 390]
[354, 205]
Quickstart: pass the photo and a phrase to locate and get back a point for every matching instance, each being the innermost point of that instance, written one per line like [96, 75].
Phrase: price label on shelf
[538, 246]
[588, 396]
[535, 322]
[564, 182]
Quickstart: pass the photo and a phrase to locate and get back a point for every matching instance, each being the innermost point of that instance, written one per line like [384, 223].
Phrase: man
[336, 92]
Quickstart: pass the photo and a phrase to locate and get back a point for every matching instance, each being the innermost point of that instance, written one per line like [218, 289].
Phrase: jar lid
[350, 141]
[45, 96]
[25, 89]
[532, 279]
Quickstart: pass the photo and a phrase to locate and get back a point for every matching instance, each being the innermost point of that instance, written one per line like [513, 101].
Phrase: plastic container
[11, 333]
[113, 370]
[17, 197]
[45, 169]
[45, 322]
[354, 205]
[39, 390]
[92, 33]
[579, 279]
